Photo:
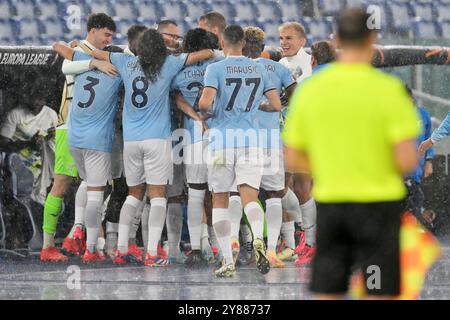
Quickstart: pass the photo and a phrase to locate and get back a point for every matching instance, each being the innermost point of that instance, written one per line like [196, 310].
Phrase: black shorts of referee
[358, 236]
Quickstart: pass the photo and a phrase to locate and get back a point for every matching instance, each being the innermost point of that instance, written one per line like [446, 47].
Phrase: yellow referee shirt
[347, 118]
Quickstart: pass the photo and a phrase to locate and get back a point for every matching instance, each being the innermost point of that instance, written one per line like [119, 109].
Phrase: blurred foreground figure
[359, 144]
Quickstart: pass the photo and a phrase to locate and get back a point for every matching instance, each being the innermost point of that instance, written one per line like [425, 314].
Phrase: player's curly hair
[198, 39]
[152, 54]
[254, 41]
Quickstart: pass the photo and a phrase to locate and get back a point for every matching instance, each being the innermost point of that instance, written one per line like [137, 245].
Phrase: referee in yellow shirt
[354, 128]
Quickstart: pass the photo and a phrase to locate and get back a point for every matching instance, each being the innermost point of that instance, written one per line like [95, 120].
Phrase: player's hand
[105, 67]
[428, 169]
[205, 126]
[424, 146]
[73, 43]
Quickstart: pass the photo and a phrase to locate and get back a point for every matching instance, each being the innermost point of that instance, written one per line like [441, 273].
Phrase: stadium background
[25, 23]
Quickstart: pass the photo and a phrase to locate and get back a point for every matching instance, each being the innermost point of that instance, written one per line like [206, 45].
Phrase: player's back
[94, 105]
[241, 84]
[146, 108]
[190, 82]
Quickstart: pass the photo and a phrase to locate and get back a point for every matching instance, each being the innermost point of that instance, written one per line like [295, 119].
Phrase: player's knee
[275, 194]
[60, 186]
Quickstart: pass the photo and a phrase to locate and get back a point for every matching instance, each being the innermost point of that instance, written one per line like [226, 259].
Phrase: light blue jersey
[146, 113]
[442, 131]
[270, 121]
[190, 82]
[94, 105]
[241, 84]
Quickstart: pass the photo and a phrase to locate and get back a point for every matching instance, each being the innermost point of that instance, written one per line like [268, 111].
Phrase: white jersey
[20, 124]
[299, 65]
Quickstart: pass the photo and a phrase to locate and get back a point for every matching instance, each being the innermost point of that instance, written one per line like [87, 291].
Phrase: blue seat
[424, 10]
[196, 9]
[426, 30]
[149, 9]
[7, 28]
[330, 7]
[45, 40]
[53, 27]
[443, 11]
[72, 10]
[290, 10]
[401, 16]
[25, 8]
[104, 6]
[445, 28]
[246, 10]
[318, 28]
[272, 41]
[7, 41]
[122, 26]
[75, 31]
[174, 10]
[28, 27]
[47, 8]
[270, 27]
[6, 10]
[269, 10]
[224, 7]
[125, 9]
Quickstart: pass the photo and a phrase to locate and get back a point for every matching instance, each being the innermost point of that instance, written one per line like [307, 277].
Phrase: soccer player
[273, 179]
[440, 133]
[295, 58]
[90, 137]
[189, 82]
[171, 33]
[359, 200]
[100, 28]
[236, 85]
[146, 129]
[213, 22]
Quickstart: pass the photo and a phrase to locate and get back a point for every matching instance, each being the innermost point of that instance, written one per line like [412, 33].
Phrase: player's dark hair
[323, 52]
[352, 27]
[133, 34]
[167, 22]
[198, 39]
[152, 54]
[100, 21]
[233, 34]
[113, 49]
[215, 19]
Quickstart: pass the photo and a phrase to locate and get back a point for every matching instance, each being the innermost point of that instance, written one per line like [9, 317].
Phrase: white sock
[274, 217]
[288, 233]
[112, 230]
[309, 221]
[213, 237]
[255, 217]
[222, 227]
[144, 225]
[127, 214]
[93, 206]
[135, 222]
[156, 220]
[247, 237]
[80, 206]
[204, 237]
[235, 213]
[194, 216]
[292, 206]
[174, 223]
[101, 243]
[49, 240]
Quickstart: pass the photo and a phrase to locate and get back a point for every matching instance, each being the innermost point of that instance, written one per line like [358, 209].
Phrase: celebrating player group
[202, 110]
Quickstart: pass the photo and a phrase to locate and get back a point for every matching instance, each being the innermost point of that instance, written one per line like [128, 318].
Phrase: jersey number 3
[89, 87]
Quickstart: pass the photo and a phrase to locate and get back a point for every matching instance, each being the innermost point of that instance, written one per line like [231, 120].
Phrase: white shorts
[177, 186]
[241, 164]
[273, 171]
[148, 161]
[194, 156]
[93, 166]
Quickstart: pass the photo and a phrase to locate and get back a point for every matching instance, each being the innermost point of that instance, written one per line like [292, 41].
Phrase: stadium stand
[40, 21]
